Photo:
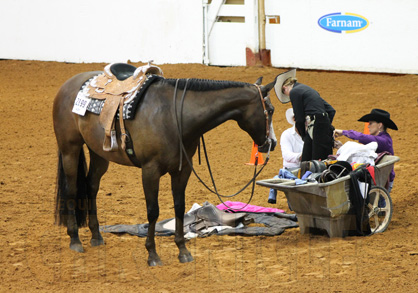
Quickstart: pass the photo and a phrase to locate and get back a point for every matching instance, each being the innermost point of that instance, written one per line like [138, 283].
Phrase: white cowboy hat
[290, 115]
[280, 79]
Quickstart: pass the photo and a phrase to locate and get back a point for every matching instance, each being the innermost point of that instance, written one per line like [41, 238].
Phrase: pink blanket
[236, 205]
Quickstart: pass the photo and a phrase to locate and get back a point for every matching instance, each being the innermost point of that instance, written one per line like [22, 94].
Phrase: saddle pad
[270, 224]
[129, 109]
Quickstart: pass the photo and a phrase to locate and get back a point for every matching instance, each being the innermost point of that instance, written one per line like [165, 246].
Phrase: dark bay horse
[160, 117]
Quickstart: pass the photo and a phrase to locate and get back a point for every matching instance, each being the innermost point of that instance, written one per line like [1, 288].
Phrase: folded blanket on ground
[195, 226]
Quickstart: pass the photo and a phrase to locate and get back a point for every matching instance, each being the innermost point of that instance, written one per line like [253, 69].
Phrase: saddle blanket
[129, 107]
[273, 224]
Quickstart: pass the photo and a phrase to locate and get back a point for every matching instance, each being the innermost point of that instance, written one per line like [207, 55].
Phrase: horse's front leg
[178, 184]
[150, 182]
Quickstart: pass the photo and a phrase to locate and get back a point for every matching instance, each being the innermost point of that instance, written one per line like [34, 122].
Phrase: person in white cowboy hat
[291, 144]
[379, 121]
[309, 108]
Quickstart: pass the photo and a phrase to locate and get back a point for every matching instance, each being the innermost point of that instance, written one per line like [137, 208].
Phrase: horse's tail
[81, 201]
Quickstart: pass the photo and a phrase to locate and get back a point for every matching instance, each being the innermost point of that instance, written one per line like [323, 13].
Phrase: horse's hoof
[155, 263]
[78, 247]
[183, 258]
[96, 242]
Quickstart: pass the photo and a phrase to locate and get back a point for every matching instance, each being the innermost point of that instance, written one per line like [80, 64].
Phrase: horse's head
[259, 123]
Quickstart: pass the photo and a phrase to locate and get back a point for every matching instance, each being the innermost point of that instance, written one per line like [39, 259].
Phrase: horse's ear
[268, 87]
[259, 80]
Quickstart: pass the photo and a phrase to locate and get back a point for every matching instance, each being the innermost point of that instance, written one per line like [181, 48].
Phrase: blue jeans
[273, 192]
[390, 186]
[382, 202]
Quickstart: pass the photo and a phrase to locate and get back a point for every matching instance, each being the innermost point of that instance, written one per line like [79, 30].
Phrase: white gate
[230, 30]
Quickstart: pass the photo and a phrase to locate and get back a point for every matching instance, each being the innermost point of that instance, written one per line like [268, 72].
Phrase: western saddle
[118, 85]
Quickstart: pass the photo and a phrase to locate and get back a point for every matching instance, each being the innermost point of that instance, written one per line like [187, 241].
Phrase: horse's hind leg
[98, 166]
[70, 161]
[178, 185]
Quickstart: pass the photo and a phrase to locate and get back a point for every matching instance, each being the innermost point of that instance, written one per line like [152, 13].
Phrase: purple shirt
[383, 139]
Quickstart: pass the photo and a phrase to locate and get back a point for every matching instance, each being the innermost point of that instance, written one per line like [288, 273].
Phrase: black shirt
[307, 101]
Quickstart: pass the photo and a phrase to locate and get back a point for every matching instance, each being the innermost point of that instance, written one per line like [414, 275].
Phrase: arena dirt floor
[34, 252]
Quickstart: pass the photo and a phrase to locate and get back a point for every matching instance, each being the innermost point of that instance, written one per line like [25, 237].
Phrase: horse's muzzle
[268, 146]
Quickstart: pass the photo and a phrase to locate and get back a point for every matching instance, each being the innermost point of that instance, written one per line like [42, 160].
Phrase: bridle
[183, 150]
[266, 114]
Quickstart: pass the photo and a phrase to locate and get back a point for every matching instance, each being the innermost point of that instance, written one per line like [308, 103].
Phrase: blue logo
[343, 23]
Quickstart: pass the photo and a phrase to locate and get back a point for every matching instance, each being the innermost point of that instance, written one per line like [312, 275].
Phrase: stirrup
[110, 144]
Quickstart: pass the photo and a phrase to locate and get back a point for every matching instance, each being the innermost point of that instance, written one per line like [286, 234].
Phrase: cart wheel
[379, 209]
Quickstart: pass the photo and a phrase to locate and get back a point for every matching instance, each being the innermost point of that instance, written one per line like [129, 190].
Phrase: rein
[183, 150]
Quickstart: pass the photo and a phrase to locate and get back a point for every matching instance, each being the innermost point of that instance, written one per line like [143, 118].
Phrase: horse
[163, 125]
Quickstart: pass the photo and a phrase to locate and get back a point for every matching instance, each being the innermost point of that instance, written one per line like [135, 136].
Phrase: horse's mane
[201, 85]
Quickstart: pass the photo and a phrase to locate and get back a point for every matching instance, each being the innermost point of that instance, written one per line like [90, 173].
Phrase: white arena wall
[388, 44]
[165, 31]
[189, 31]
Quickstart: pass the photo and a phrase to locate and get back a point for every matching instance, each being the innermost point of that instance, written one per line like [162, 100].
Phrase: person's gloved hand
[286, 174]
[306, 175]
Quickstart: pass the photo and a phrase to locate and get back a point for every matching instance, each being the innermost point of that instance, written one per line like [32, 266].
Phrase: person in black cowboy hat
[379, 121]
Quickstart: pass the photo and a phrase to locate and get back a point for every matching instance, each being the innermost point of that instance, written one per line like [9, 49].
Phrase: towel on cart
[359, 153]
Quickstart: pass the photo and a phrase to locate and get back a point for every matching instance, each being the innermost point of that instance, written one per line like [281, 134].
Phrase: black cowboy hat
[379, 115]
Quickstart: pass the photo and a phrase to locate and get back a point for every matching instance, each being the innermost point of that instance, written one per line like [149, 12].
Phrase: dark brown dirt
[34, 253]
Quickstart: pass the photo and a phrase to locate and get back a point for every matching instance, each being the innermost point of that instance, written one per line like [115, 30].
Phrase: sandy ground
[34, 252]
